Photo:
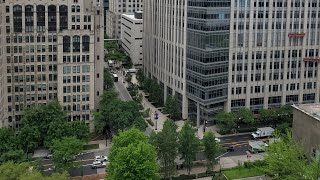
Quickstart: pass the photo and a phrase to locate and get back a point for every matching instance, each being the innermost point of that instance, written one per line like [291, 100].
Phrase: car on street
[49, 156]
[101, 158]
[229, 148]
[98, 164]
[217, 140]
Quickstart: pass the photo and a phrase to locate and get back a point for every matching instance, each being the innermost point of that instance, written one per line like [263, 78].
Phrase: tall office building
[106, 8]
[50, 50]
[113, 15]
[225, 55]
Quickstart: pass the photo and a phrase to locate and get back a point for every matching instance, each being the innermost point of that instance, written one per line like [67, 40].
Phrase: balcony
[296, 34]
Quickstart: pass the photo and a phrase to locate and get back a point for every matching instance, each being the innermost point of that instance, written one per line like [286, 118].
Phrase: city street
[239, 142]
[84, 168]
[123, 92]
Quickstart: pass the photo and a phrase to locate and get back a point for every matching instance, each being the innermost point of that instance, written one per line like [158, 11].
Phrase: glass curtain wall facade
[207, 56]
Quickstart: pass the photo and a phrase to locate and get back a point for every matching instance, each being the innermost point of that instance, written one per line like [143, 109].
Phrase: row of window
[308, 98]
[31, 78]
[273, 76]
[273, 88]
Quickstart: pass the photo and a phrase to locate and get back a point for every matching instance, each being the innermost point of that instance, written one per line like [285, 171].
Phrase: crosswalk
[241, 143]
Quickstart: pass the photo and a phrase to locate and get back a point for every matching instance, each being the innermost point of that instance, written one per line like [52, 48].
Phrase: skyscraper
[50, 50]
[225, 55]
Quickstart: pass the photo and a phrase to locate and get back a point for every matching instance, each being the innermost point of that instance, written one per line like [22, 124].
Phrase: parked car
[229, 148]
[217, 140]
[49, 156]
[101, 158]
[98, 164]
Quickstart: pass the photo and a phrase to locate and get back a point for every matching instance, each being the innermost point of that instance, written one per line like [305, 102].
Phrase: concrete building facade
[131, 36]
[226, 55]
[50, 50]
[116, 9]
[305, 129]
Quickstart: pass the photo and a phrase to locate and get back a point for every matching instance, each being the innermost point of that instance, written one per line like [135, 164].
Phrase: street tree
[132, 157]
[29, 138]
[171, 107]
[12, 171]
[40, 117]
[211, 149]
[140, 77]
[285, 159]
[64, 151]
[10, 147]
[166, 143]
[266, 115]
[108, 79]
[246, 116]
[188, 145]
[25, 171]
[226, 120]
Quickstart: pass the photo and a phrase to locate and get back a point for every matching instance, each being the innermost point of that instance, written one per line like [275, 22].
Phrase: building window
[52, 18]
[63, 10]
[85, 43]
[66, 44]
[17, 18]
[41, 20]
[76, 43]
[29, 11]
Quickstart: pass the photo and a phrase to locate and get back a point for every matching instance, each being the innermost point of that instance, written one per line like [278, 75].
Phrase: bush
[258, 163]
[224, 131]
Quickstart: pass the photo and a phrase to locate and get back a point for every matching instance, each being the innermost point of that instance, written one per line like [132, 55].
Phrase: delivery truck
[263, 132]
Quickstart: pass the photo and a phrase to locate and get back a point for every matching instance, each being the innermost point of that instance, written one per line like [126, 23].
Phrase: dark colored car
[229, 148]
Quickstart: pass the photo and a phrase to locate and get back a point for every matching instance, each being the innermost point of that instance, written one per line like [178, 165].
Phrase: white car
[98, 164]
[101, 158]
[217, 140]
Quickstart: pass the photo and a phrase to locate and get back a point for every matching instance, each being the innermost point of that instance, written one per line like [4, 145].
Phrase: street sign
[156, 115]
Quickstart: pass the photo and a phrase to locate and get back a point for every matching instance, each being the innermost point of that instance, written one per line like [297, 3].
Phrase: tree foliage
[64, 151]
[211, 149]
[245, 116]
[166, 143]
[132, 157]
[285, 159]
[108, 79]
[188, 145]
[10, 147]
[118, 115]
[24, 171]
[171, 107]
[226, 120]
[155, 91]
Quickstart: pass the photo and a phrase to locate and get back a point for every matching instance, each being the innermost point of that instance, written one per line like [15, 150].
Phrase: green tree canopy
[171, 107]
[246, 116]
[24, 171]
[226, 120]
[188, 144]
[166, 143]
[118, 115]
[132, 157]
[64, 151]
[108, 79]
[211, 149]
[285, 159]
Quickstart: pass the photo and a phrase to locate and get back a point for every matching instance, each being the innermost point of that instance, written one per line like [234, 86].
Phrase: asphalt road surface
[240, 143]
[123, 92]
[84, 166]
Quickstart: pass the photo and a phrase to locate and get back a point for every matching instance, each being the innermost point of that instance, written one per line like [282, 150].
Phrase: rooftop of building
[312, 110]
[134, 16]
